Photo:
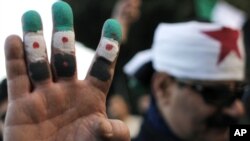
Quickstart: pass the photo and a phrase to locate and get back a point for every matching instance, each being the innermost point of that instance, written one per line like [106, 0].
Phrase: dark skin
[56, 107]
[175, 102]
[68, 108]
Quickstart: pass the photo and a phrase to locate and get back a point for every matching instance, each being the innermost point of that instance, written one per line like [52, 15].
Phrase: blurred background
[90, 15]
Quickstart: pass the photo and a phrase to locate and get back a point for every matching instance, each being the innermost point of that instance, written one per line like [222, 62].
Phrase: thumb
[120, 131]
[112, 130]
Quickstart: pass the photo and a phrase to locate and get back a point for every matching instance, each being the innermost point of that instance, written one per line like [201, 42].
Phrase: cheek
[191, 106]
[196, 105]
[204, 110]
[187, 103]
[188, 109]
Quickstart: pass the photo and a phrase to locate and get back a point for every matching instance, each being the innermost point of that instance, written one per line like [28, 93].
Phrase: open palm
[46, 101]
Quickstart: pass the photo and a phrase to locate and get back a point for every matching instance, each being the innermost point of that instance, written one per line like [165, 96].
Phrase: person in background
[139, 72]
[143, 104]
[198, 81]
[92, 13]
[126, 12]
[118, 108]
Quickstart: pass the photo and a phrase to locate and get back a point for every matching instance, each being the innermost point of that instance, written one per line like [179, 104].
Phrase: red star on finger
[228, 39]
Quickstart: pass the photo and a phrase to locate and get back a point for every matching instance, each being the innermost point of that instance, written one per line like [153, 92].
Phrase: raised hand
[46, 100]
[126, 12]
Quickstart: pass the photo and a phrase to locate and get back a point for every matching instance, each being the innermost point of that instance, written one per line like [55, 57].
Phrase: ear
[160, 85]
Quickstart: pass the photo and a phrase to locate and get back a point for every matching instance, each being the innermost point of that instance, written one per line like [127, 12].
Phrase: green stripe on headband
[112, 29]
[62, 16]
[31, 21]
[204, 8]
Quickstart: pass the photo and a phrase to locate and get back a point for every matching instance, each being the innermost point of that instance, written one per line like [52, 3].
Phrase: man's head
[118, 107]
[199, 76]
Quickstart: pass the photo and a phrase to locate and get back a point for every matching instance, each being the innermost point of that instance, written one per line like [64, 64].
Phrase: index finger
[102, 69]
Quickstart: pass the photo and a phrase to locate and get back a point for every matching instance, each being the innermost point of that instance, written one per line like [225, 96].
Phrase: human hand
[126, 12]
[46, 101]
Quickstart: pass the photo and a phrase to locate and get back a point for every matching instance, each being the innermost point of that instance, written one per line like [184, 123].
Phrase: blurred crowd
[147, 15]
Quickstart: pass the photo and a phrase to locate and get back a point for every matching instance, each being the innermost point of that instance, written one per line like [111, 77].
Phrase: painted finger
[102, 70]
[35, 48]
[63, 42]
[17, 76]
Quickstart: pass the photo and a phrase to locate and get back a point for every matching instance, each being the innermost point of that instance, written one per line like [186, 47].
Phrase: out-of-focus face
[192, 116]
[3, 109]
[117, 107]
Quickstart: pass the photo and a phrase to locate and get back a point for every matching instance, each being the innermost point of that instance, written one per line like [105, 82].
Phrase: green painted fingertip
[62, 16]
[31, 21]
[112, 29]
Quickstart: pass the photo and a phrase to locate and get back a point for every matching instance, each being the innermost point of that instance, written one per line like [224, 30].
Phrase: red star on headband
[228, 39]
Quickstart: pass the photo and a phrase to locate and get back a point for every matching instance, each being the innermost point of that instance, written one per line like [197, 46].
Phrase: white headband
[200, 51]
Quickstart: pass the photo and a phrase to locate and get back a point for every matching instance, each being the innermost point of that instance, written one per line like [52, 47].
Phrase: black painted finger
[35, 48]
[63, 42]
[102, 70]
